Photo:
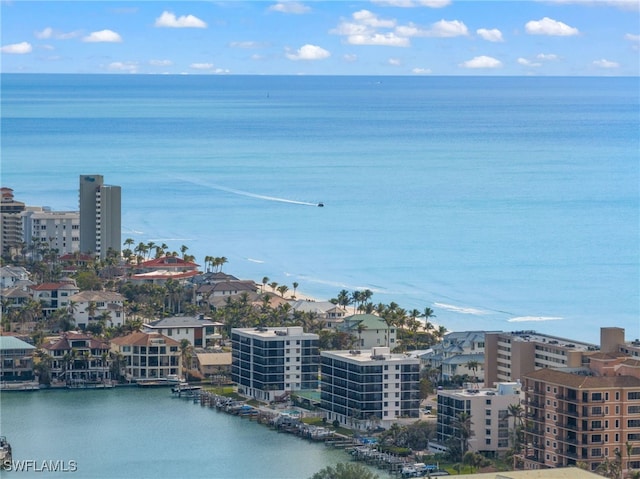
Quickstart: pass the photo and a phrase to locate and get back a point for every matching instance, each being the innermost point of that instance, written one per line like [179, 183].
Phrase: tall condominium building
[100, 216]
[59, 230]
[589, 416]
[508, 356]
[11, 240]
[488, 412]
[269, 363]
[365, 388]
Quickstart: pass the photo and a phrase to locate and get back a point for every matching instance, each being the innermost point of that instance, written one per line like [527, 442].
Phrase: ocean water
[148, 434]
[499, 202]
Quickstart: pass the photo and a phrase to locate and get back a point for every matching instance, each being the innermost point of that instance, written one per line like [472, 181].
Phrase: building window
[632, 395]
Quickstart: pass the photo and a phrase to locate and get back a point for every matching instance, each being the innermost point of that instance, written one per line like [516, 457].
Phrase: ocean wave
[461, 309]
[251, 260]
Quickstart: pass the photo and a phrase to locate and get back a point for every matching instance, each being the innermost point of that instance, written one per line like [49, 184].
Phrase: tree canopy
[345, 471]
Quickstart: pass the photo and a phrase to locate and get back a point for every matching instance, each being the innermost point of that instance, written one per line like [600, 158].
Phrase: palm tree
[516, 411]
[462, 423]
[282, 289]
[273, 285]
[295, 287]
[186, 354]
[473, 365]
[265, 280]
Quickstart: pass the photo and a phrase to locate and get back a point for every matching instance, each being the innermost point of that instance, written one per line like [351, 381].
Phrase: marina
[150, 433]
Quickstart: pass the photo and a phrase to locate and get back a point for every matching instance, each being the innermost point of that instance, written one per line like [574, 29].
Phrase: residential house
[199, 330]
[78, 359]
[369, 330]
[215, 365]
[488, 414]
[148, 355]
[16, 359]
[54, 296]
[223, 289]
[270, 363]
[91, 306]
[367, 388]
[11, 276]
[459, 353]
[331, 315]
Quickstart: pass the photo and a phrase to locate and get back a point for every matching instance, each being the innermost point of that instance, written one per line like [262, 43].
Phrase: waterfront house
[148, 355]
[369, 330]
[16, 360]
[78, 359]
[199, 330]
[91, 306]
[364, 389]
[214, 365]
[53, 296]
[223, 289]
[160, 270]
[270, 363]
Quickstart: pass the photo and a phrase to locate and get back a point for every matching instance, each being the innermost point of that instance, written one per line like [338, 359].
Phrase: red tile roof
[168, 262]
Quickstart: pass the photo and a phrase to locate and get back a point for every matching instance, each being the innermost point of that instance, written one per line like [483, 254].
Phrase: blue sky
[377, 37]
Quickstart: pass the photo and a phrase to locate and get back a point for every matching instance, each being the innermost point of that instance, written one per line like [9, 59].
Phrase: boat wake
[251, 195]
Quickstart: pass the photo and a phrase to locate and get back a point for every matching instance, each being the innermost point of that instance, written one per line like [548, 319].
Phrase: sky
[338, 37]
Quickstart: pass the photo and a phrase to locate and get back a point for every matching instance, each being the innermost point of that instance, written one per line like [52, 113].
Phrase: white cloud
[549, 26]
[103, 36]
[160, 63]
[382, 39]
[396, 62]
[349, 28]
[604, 63]
[309, 52]
[444, 28]
[441, 29]
[482, 62]
[632, 38]
[365, 17]
[421, 71]
[201, 66]
[522, 319]
[412, 3]
[295, 8]
[247, 45]
[547, 56]
[169, 20]
[528, 63]
[44, 34]
[17, 48]
[350, 57]
[493, 35]
[129, 67]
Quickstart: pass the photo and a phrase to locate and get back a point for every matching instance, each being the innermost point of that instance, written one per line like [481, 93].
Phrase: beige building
[584, 416]
[488, 410]
[148, 355]
[510, 355]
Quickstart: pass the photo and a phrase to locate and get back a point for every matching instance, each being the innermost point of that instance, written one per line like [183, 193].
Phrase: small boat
[320, 204]
[5, 451]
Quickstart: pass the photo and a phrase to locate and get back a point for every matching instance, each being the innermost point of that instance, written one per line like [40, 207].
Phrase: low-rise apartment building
[148, 355]
[269, 363]
[488, 412]
[366, 388]
[199, 330]
[16, 359]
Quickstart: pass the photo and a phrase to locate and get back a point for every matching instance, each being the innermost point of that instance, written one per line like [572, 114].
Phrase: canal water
[147, 433]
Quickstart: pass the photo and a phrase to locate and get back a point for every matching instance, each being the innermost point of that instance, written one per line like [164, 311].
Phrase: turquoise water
[148, 434]
[501, 203]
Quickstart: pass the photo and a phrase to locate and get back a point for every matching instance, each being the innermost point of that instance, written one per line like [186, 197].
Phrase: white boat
[5, 451]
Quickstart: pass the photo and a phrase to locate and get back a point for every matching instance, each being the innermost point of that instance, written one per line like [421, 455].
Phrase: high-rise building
[269, 363]
[367, 388]
[11, 239]
[100, 216]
